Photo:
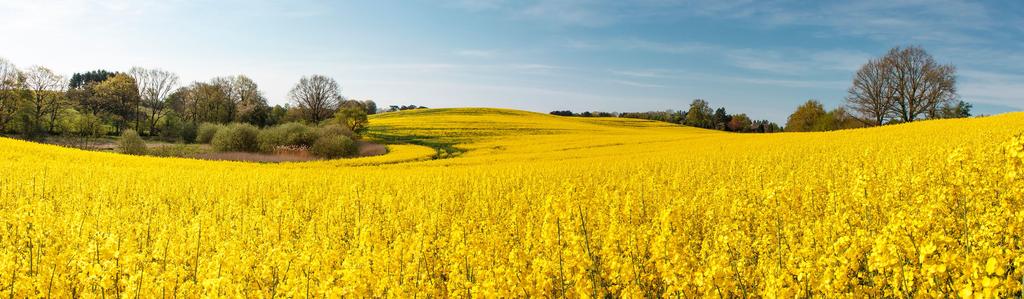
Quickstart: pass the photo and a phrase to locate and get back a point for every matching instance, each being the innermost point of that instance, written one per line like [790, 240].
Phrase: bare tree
[155, 85]
[11, 81]
[919, 83]
[905, 84]
[871, 96]
[245, 96]
[46, 88]
[316, 96]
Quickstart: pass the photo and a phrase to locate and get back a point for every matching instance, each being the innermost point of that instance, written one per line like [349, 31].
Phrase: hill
[506, 203]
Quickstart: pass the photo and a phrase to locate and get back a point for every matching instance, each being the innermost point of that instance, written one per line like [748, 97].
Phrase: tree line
[700, 114]
[904, 85]
[36, 102]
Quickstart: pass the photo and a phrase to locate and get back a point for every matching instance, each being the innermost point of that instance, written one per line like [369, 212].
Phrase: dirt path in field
[367, 149]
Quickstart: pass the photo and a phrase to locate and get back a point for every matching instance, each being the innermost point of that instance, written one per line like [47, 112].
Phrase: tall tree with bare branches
[317, 97]
[155, 85]
[904, 85]
[11, 87]
[920, 83]
[871, 96]
[47, 90]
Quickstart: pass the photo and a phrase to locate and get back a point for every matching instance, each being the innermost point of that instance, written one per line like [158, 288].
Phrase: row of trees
[904, 85]
[37, 101]
[700, 114]
[811, 116]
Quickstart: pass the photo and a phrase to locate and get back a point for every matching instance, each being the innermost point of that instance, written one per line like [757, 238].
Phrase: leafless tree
[244, 93]
[871, 96]
[316, 96]
[249, 96]
[47, 88]
[906, 80]
[155, 85]
[920, 84]
[11, 81]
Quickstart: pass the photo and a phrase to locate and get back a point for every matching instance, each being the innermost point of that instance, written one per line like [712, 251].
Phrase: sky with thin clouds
[762, 58]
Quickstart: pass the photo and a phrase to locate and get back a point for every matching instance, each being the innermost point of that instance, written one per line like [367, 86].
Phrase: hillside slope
[532, 205]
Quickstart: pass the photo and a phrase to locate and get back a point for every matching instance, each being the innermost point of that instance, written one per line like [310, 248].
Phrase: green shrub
[289, 134]
[352, 116]
[236, 138]
[206, 131]
[336, 130]
[88, 125]
[170, 130]
[333, 147]
[175, 150]
[131, 143]
[189, 132]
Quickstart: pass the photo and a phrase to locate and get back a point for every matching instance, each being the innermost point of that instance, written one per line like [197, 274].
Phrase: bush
[353, 117]
[333, 147]
[88, 125]
[289, 134]
[206, 131]
[175, 150]
[171, 129]
[236, 138]
[189, 132]
[131, 143]
[336, 130]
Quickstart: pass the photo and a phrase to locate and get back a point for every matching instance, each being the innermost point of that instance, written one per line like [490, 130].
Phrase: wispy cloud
[765, 61]
[640, 44]
[842, 60]
[476, 53]
[636, 83]
[992, 88]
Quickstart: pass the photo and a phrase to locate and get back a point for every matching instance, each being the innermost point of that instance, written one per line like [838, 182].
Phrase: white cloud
[476, 53]
[992, 88]
[636, 83]
[843, 60]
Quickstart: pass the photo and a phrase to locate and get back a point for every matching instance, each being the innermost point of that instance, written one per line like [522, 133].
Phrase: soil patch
[367, 149]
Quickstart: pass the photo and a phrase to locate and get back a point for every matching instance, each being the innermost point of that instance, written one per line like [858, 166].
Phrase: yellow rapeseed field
[518, 204]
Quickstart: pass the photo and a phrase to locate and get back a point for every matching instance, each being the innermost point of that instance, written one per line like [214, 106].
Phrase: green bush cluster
[205, 132]
[333, 147]
[289, 134]
[131, 143]
[328, 142]
[236, 137]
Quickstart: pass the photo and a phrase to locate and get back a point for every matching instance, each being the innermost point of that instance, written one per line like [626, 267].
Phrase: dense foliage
[537, 206]
[699, 115]
[38, 102]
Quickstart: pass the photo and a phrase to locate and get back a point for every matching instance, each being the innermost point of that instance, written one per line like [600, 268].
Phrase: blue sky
[759, 57]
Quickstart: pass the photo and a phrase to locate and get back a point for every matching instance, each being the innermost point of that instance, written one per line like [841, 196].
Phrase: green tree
[960, 109]
[205, 102]
[806, 117]
[12, 92]
[79, 80]
[120, 95]
[700, 114]
[352, 116]
[740, 123]
[371, 107]
[721, 119]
